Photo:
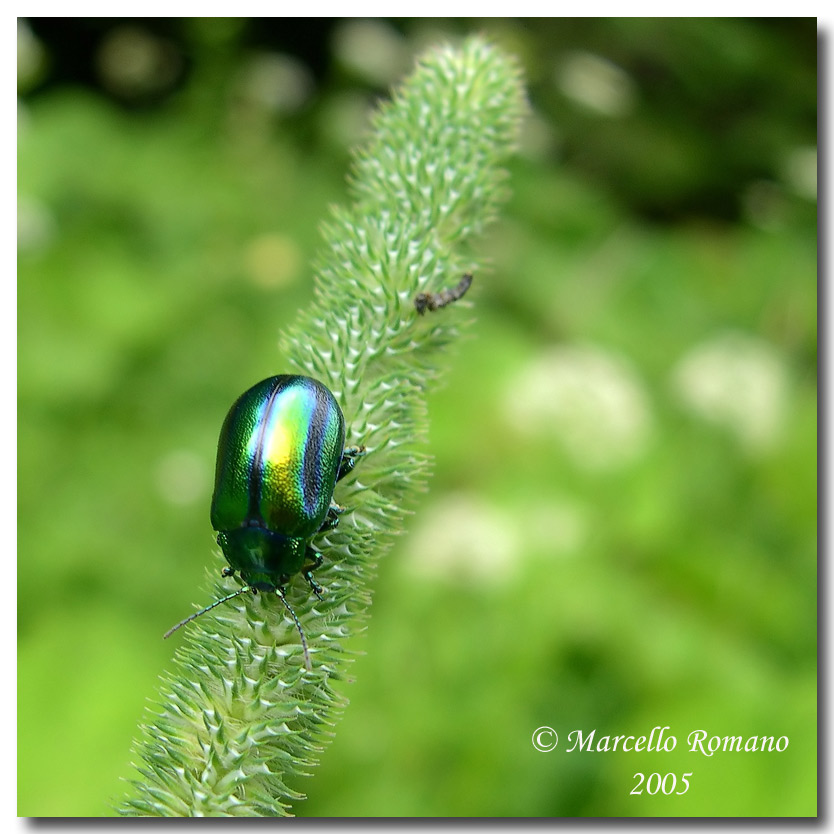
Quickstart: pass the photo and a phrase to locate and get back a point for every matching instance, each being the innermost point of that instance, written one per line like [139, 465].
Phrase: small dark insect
[432, 301]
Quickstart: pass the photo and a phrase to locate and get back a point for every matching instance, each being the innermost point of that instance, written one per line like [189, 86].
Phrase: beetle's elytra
[281, 452]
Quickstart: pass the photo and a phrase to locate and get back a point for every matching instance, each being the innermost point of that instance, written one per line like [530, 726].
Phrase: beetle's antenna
[187, 620]
[280, 592]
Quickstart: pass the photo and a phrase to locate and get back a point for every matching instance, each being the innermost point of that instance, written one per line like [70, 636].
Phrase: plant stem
[240, 718]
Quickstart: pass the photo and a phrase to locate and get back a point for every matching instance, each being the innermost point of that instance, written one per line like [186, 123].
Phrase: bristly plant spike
[240, 719]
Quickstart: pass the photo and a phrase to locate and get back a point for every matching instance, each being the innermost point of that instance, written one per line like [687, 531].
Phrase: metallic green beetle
[280, 453]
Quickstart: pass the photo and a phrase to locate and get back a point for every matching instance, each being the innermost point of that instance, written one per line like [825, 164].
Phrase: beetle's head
[265, 559]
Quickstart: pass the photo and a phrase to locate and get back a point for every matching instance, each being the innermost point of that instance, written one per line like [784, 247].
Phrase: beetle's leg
[307, 572]
[349, 458]
[331, 520]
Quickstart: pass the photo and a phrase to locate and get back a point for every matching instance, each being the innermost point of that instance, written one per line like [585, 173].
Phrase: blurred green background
[621, 528]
